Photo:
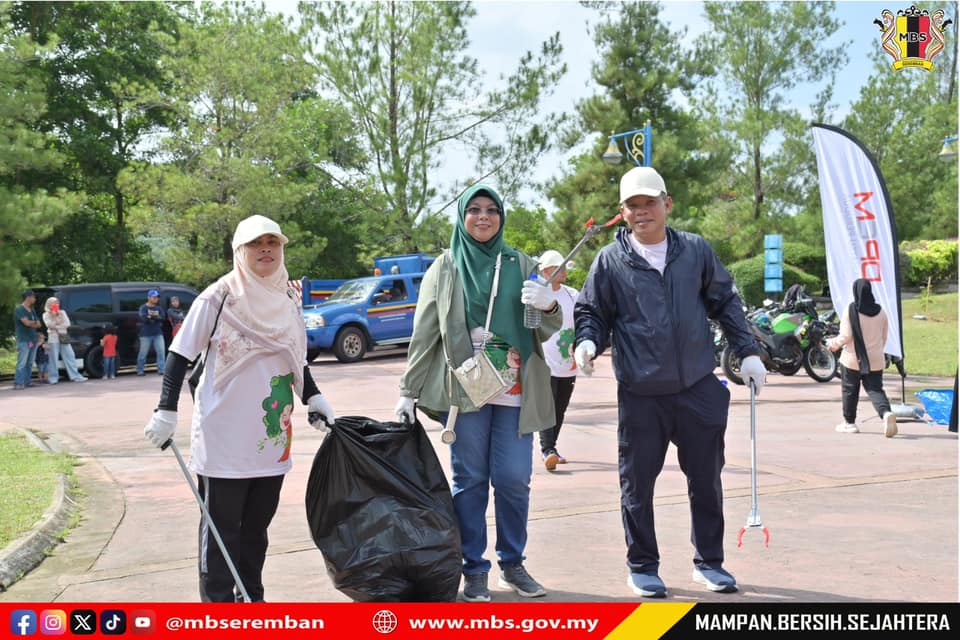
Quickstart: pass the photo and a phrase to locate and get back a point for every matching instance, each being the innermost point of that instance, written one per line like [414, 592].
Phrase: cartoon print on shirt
[506, 359]
[565, 339]
[279, 406]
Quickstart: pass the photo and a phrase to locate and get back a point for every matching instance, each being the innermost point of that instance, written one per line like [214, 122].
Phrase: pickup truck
[316, 291]
[362, 314]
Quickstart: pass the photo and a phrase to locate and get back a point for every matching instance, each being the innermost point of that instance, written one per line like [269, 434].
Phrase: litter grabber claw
[206, 515]
[753, 520]
[592, 230]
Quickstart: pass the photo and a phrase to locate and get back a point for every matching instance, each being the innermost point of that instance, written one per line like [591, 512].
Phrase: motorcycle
[794, 338]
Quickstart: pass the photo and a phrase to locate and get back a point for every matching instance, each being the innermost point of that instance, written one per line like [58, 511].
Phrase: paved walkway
[851, 517]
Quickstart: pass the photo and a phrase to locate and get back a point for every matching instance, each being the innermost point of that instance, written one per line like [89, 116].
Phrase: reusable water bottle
[532, 317]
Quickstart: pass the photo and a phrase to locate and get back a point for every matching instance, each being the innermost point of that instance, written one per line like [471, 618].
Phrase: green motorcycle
[792, 339]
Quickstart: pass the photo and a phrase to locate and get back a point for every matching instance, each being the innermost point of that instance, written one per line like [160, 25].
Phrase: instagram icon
[53, 622]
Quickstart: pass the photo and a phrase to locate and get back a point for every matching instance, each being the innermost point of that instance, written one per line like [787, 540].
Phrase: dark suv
[92, 307]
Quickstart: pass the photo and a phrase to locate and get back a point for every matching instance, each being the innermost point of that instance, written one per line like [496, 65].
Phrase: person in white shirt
[58, 337]
[558, 352]
[251, 330]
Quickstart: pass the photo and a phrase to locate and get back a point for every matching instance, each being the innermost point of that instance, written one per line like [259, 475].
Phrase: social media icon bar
[53, 622]
[113, 622]
[83, 622]
[23, 622]
[142, 622]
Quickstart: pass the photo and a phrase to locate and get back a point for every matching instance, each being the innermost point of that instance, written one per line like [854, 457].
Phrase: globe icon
[384, 621]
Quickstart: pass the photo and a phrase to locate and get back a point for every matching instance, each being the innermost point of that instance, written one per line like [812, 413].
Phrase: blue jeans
[110, 367]
[158, 346]
[69, 362]
[489, 450]
[26, 353]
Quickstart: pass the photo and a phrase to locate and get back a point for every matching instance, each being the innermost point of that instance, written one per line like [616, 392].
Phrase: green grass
[930, 346]
[28, 477]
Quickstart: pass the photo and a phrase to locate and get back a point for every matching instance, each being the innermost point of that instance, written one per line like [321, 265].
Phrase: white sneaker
[846, 427]
[889, 424]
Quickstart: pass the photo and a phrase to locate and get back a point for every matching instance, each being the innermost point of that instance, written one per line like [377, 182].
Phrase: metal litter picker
[206, 515]
[753, 520]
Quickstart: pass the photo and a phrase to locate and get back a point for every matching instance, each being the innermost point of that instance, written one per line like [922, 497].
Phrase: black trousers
[241, 509]
[850, 381]
[694, 420]
[562, 389]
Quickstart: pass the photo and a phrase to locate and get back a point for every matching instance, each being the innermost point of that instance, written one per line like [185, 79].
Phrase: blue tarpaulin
[937, 403]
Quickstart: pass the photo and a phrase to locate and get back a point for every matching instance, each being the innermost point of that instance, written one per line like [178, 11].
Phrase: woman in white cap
[252, 334]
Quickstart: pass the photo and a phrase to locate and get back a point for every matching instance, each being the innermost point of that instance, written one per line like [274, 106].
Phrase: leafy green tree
[105, 88]
[27, 213]
[251, 138]
[901, 117]
[762, 51]
[642, 70]
[402, 71]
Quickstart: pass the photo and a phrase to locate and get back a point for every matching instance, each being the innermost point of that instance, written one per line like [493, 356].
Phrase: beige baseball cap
[253, 227]
[641, 181]
[551, 258]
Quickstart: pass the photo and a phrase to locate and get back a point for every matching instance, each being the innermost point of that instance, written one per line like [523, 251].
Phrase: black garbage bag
[381, 512]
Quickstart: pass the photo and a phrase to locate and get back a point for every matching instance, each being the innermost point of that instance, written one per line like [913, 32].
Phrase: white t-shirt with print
[229, 437]
[506, 360]
[558, 350]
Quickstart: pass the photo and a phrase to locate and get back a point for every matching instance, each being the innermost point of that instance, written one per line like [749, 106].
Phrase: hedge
[748, 274]
[933, 259]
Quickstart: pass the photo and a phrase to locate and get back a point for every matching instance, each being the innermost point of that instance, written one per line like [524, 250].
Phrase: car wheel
[350, 345]
[93, 362]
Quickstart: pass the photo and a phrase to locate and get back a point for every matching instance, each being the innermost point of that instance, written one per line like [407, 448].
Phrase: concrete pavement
[852, 517]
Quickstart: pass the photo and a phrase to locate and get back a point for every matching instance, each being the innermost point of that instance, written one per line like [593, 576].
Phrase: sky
[503, 30]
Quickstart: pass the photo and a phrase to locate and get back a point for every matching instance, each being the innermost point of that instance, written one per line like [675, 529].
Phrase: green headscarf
[475, 263]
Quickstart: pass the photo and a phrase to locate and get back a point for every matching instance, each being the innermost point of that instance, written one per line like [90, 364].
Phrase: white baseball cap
[641, 181]
[253, 227]
[551, 258]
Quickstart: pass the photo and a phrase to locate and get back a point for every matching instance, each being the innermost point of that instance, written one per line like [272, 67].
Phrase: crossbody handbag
[480, 380]
[198, 364]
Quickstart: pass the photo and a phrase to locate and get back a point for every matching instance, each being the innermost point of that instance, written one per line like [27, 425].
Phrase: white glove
[404, 408]
[752, 369]
[319, 412]
[585, 353]
[536, 294]
[161, 427]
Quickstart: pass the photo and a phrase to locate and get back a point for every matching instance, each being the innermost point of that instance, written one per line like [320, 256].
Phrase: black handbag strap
[212, 331]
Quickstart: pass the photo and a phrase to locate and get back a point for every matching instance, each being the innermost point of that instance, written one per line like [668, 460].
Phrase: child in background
[109, 344]
[43, 358]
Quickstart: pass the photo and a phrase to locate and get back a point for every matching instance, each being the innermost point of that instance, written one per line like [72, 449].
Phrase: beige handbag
[479, 378]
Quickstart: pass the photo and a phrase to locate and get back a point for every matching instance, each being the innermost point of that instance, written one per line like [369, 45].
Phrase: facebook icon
[23, 622]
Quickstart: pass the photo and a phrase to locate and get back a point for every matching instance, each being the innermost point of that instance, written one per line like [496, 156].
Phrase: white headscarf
[261, 315]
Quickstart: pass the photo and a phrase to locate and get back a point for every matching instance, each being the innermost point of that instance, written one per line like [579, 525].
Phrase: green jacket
[440, 324]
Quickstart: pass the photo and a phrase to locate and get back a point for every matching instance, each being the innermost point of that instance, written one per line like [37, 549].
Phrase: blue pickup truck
[363, 314]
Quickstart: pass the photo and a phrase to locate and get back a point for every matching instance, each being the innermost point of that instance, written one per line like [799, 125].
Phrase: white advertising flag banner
[858, 229]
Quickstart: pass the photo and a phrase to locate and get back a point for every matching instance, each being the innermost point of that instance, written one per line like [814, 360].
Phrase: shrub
[748, 274]
[807, 258]
[930, 259]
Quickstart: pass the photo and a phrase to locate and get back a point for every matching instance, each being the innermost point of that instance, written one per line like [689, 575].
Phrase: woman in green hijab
[494, 443]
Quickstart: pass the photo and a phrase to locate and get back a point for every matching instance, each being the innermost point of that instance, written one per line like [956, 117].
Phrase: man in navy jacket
[653, 290]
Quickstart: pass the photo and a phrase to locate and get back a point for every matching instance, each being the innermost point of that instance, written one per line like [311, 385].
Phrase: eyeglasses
[476, 211]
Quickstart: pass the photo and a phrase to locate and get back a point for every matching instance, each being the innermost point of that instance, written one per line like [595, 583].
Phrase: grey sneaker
[715, 579]
[514, 576]
[475, 588]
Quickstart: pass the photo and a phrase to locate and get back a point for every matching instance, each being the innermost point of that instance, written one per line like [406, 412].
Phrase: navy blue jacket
[661, 337]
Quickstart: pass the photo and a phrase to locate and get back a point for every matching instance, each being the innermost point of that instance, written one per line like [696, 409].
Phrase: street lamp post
[638, 144]
[949, 151]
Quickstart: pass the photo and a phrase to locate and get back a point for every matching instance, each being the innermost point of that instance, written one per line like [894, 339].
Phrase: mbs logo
[914, 37]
